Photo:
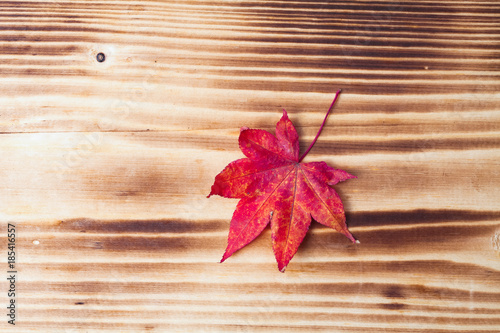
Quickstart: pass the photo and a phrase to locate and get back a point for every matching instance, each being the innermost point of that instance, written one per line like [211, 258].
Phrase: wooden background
[105, 166]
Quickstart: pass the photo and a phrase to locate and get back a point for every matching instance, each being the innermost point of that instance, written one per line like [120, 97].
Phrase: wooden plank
[106, 165]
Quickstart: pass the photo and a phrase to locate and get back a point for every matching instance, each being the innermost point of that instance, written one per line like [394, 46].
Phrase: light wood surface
[105, 166]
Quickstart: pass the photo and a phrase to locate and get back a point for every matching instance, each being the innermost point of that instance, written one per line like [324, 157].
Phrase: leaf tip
[213, 191]
[227, 254]
[282, 267]
[350, 236]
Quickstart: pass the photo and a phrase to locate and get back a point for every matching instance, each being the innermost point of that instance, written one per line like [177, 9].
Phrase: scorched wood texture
[115, 117]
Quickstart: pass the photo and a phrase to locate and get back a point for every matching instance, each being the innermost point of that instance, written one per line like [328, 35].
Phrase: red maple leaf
[275, 187]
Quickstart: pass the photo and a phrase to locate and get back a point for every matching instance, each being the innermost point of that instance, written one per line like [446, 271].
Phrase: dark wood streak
[356, 219]
[403, 146]
[420, 216]
[341, 289]
[143, 227]
[119, 235]
[318, 87]
[379, 46]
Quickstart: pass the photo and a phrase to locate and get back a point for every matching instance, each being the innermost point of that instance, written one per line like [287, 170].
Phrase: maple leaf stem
[322, 125]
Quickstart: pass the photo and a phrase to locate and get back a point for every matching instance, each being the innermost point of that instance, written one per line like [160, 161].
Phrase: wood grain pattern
[106, 165]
